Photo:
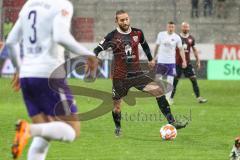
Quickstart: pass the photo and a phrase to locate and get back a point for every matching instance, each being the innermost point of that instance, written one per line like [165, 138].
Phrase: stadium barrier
[213, 69]
[223, 70]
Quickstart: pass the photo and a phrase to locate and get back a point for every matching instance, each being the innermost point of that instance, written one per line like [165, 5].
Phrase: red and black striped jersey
[125, 51]
[188, 42]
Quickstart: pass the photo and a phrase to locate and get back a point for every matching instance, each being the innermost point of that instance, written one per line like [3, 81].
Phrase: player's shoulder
[191, 37]
[111, 34]
[162, 34]
[25, 6]
[63, 4]
[51, 3]
[136, 29]
[67, 2]
[177, 36]
[59, 2]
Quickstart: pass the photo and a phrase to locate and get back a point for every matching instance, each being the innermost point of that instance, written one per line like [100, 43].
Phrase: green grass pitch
[209, 135]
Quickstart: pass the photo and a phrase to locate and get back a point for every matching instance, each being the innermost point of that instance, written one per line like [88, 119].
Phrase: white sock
[53, 131]
[170, 81]
[38, 149]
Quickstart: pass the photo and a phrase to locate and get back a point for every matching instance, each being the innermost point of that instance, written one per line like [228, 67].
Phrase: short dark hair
[121, 11]
[171, 22]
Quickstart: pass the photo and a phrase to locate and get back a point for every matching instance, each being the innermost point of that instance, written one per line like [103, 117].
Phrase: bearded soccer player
[188, 44]
[43, 25]
[126, 70]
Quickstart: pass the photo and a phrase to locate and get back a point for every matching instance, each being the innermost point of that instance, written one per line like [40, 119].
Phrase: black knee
[194, 81]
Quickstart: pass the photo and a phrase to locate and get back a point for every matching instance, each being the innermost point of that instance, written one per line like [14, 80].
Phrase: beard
[185, 31]
[124, 28]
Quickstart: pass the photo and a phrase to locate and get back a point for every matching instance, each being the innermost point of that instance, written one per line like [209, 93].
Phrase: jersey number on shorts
[33, 16]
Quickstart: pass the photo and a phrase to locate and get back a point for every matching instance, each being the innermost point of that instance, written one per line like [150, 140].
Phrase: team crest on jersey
[135, 38]
[190, 40]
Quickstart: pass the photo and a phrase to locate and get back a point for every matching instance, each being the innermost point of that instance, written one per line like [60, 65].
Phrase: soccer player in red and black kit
[126, 70]
[188, 44]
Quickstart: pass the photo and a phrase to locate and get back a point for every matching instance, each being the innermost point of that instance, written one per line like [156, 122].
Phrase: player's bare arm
[182, 54]
[156, 51]
[16, 82]
[12, 43]
[196, 55]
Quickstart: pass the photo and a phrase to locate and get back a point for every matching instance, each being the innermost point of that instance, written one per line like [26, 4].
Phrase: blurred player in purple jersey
[189, 72]
[44, 27]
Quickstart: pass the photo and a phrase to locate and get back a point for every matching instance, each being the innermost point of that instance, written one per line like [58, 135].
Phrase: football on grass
[168, 132]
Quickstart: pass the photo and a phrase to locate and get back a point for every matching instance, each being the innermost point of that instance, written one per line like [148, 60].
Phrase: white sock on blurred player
[170, 81]
[38, 149]
[53, 131]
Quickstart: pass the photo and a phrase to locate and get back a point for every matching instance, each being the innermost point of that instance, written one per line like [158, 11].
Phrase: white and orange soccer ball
[168, 132]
